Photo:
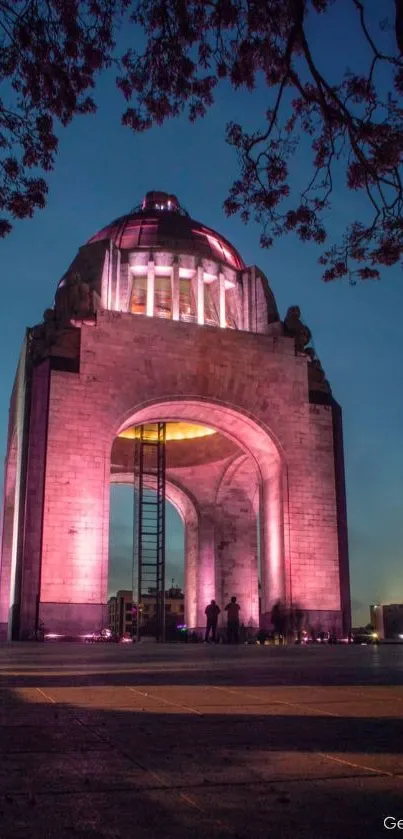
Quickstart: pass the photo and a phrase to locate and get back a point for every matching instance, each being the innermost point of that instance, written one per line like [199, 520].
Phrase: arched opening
[228, 471]
[182, 536]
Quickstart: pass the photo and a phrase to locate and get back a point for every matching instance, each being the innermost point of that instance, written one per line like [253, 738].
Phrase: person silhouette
[211, 611]
[233, 608]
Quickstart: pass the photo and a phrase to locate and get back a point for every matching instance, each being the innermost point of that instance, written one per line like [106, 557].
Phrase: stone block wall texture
[252, 387]
[31, 547]
[13, 505]
[10, 475]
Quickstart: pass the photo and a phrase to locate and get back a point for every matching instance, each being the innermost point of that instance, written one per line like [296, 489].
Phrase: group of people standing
[212, 611]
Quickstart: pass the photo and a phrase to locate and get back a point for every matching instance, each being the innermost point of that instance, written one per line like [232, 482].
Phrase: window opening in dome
[211, 314]
[163, 297]
[230, 307]
[187, 302]
[139, 295]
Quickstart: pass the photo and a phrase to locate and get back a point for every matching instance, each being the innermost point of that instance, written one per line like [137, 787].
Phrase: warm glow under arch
[258, 443]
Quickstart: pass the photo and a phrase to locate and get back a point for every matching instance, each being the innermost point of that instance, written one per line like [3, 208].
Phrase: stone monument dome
[158, 261]
[160, 222]
[163, 365]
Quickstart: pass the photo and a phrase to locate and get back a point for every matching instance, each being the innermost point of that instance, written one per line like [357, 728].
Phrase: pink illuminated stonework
[158, 319]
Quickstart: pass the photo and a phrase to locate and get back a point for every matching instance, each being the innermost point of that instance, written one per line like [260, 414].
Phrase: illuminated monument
[159, 328]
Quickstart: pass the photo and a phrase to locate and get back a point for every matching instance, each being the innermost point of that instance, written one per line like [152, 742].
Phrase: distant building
[387, 620]
[120, 612]
[120, 609]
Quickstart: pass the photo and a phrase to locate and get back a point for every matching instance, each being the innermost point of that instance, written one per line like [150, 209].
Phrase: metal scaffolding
[149, 526]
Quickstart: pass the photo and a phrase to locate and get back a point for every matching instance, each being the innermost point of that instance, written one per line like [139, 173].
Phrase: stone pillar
[272, 540]
[223, 319]
[205, 578]
[200, 294]
[150, 288]
[246, 300]
[74, 578]
[175, 290]
[34, 500]
[237, 564]
[191, 569]
[7, 538]
[117, 291]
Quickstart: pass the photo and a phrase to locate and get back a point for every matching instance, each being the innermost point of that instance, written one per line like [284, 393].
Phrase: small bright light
[401, 636]
[374, 634]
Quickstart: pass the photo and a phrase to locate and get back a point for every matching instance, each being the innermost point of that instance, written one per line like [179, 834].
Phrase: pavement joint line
[166, 701]
[280, 702]
[158, 777]
[46, 695]
[380, 698]
[322, 754]
[359, 765]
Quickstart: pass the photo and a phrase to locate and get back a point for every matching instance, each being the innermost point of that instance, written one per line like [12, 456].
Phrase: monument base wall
[73, 619]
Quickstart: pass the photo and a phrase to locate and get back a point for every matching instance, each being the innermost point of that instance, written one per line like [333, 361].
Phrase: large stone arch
[260, 444]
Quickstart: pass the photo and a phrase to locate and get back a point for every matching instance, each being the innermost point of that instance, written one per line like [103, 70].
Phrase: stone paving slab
[204, 744]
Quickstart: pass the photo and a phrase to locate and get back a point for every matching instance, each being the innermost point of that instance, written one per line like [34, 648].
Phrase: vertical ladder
[149, 525]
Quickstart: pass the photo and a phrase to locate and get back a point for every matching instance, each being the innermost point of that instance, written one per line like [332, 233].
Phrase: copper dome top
[160, 223]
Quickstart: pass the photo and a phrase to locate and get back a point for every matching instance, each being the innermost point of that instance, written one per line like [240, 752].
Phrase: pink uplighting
[166, 324]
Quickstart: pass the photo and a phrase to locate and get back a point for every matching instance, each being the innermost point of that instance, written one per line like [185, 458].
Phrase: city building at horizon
[387, 620]
[122, 612]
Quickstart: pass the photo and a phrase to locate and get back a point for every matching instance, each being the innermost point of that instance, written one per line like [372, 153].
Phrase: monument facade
[159, 320]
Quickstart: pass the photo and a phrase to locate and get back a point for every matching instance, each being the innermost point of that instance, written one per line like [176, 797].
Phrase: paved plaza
[200, 741]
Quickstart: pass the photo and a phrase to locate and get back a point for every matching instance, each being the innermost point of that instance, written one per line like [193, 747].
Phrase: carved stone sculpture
[294, 326]
[74, 300]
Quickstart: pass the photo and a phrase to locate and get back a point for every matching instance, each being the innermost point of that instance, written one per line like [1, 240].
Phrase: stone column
[175, 290]
[223, 319]
[34, 499]
[237, 564]
[76, 513]
[7, 538]
[246, 300]
[205, 578]
[117, 290]
[272, 540]
[191, 570]
[200, 294]
[150, 288]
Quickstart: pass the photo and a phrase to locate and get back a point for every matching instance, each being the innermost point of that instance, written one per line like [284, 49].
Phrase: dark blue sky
[103, 170]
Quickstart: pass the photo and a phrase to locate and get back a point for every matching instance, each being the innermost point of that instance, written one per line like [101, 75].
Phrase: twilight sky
[103, 170]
